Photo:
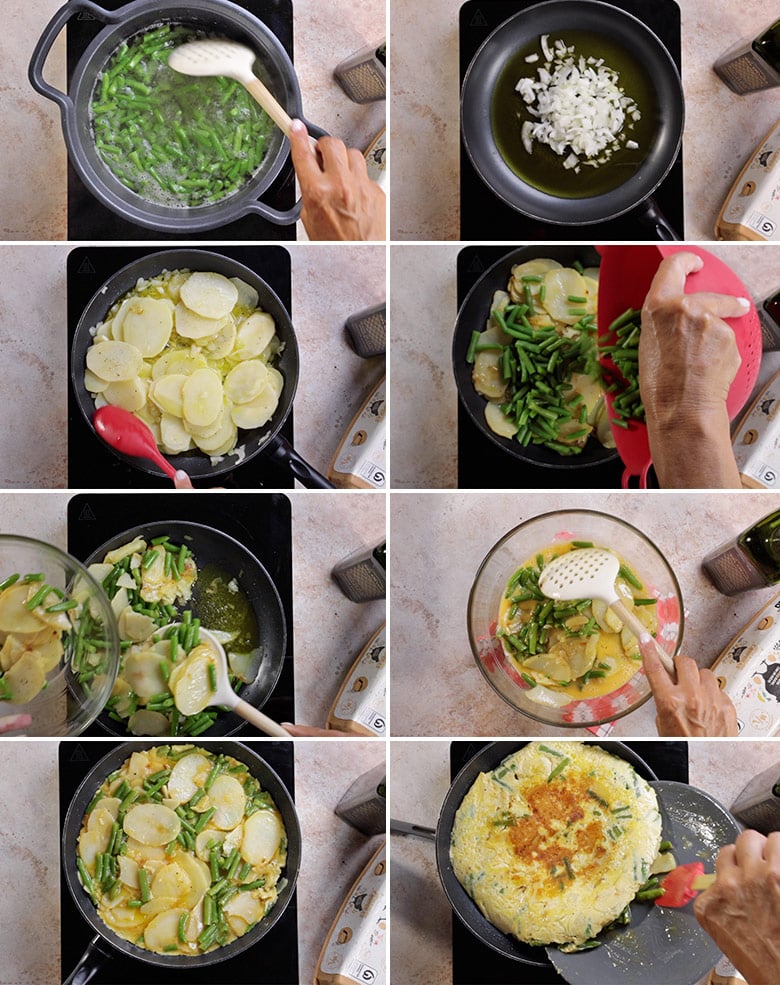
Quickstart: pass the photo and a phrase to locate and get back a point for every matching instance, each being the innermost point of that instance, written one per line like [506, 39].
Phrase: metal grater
[747, 73]
[362, 75]
[367, 331]
[361, 576]
[730, 571]
[758, 805]
[363, 805]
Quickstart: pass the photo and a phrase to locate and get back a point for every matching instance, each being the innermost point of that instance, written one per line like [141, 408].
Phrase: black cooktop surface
[272, 961]
[89, 219]
[483, 216]
[479, 457]
[474, 963]
[91, 463]
[262, 522]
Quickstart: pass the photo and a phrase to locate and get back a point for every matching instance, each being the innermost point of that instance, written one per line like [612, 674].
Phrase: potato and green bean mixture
[191, 355]
[172, 139]
[576, 649]
[181, 850]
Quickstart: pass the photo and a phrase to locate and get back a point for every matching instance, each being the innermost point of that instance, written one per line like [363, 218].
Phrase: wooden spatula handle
[273, 107]
[627, 617]
[251, 714]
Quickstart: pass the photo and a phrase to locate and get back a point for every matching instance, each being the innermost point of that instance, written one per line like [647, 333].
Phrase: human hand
[688, 359]
[741, 909]
[694, 704]
[311, 730]
[339, 199]
[182, 480]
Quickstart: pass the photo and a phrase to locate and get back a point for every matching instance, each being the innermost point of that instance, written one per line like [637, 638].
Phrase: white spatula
[212, 57]
[224, 693]
[590, 573]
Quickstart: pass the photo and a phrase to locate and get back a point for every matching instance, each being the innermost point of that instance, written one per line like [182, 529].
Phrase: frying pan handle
[650, 215]
[416, 830]
[49, 36]
[91, 962]
[291, 215]
[283, 452]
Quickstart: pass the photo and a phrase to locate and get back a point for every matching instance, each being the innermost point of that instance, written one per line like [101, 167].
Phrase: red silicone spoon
[683, 884]
[127, 433]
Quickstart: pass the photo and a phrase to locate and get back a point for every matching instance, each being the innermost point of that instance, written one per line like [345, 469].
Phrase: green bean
[472, 346]
[11, 580]
[35, 577]
[559, 769]
[63, 606]
[628, 575]
[212, 672]
[38, 597]
[249, 886]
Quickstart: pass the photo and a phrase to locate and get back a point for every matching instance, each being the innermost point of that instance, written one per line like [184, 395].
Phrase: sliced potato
[127, 394]
[187, 776]
[498, 422]
[246, 381]
[178, 361]
[135, 626]
[174, 436]
[114, 361]
[136, 546]
[247, 907]
[208, 294]
[12, 649]
[254, 335]
[147, 324]
[50, 653]
[93, 383]
[190, 325]
[531, 268]
[152, 824]
[221, 344]
[224, 437]
[25, 679]
[263, 833]
[202, 841]
[14, 617]
[199, 876]
[172, 881]
[189, 681]
[166, 393]
[247, 295]
[143, 674]
[560, 285]
[486, 374]
[145, 722]
[162, 932]
[202, 397]
[257, 412]
[228, 796]
[128, 871]
[101, 822]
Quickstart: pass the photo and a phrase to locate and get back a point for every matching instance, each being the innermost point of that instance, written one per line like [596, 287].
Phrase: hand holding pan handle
[281, 451]
[91, 962]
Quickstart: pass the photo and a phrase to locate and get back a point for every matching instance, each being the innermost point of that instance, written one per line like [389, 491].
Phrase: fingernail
[297, 127]
[285, 724]
[181, 475]
[745, 302]
[645, 638]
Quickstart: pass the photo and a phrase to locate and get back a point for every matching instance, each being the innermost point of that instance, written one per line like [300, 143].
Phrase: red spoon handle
[128, 434]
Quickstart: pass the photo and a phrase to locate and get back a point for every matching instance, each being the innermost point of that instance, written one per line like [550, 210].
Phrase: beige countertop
[422, 317]
[333, 851]
[421, 947]
[438, 541]
[330, 283]
[721, 128]
[329, 630]
[33, 157]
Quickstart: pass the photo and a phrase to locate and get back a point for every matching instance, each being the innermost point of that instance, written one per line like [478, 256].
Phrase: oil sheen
[543, 169]
[224, 607]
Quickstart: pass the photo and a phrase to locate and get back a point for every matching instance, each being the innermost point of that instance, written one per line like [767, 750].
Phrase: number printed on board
[362, 972]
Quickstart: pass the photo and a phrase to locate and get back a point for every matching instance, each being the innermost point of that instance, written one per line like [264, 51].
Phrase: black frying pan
[555, 17]
[214, 547]
[473, 314]
[106, 942]
[267, 438]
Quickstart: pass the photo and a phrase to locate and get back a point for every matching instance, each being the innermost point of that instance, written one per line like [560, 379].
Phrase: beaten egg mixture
[554, 843]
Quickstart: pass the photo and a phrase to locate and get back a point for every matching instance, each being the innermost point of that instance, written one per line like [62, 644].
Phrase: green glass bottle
[748, 561]
[752, 64]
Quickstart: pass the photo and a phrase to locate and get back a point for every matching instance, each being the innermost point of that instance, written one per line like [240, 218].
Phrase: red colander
[625, 278]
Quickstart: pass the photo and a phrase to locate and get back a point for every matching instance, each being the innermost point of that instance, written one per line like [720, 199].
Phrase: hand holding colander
[590, 573]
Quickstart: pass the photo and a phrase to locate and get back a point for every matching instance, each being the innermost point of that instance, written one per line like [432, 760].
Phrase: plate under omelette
[554, 843]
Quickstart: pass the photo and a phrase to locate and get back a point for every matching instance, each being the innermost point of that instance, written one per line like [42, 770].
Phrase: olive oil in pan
[543, 169]
[222, 606]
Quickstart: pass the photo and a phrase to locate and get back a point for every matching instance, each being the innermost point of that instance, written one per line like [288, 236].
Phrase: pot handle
[47, 39]
[652, 217]
[407, 828]
[283, 452]
[91, 962]
[291, 215]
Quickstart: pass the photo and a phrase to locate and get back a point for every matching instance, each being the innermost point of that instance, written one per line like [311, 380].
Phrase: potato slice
[257, 412]
[187, 776]
[225, 436]
[247, 295]
[136, 546]
[531, 268]
[147, 324]
[152, 824]
[174, 436]
[559, 286]
[246, 907]
[143, 674]
[166, 393]
[486, 374]
[263, 832]
[189, 681]
[25, 679]
[221, 344]
[50, 653]
[12, 650]
[202, 840]
[114, 361]
[199, 876]
[246, 381]
[171, 881]
[127, 394]
[135, 626]
[592, 273]
[93, 383]
[208, 294]
[228, 796]
[128, 871]
[178, 361]
[498, 422]
[254, 334]
[162, 931]
[190, 325]
[202, 397]
[144, 722]
[14, 617]
[275, 380]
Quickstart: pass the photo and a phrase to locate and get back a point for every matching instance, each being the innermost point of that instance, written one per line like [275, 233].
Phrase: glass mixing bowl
[78, 685]
[523, 543]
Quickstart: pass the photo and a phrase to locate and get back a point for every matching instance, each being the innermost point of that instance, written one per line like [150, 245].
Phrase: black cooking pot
[556, 17]
[106, 942]
[211, 546]
[473, 314]
[267, 438]
[218, 17]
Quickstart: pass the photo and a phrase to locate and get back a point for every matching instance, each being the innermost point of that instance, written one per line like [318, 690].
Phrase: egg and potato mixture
[555, 843]
[576, 649]
[191, 355]
[181, 850]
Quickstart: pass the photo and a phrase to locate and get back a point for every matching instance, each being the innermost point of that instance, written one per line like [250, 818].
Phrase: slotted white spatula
[590, 573]
[212, 57]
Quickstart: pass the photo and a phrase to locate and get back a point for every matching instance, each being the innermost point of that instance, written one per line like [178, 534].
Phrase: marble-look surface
[438, 541]
[33, 157]
[423, 308]
[421, 947]
[330, 283]
[334, 852]
[721, 128]
[329, 630]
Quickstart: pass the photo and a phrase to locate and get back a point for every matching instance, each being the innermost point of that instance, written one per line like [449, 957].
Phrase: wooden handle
[639, 629]
[261, 94]
[251, 714]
